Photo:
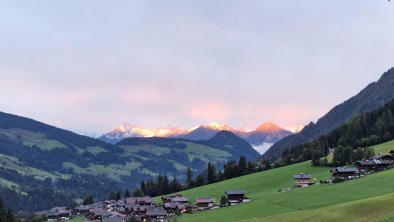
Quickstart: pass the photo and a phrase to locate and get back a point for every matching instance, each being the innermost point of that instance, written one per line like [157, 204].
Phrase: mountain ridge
[372, 97]
[42, 166]
[265, 133]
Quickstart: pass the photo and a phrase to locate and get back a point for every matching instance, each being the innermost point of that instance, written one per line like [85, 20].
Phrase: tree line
[162, 185]
[363, 130]
[6, 215]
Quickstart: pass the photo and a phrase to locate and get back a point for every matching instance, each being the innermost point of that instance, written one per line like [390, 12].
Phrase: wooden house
[235, 196]
[205, 203]
[344, 172]
[58, 213]
[383, 157]
[372, 165]
[179, 199]
[302, 180]
[156, 214]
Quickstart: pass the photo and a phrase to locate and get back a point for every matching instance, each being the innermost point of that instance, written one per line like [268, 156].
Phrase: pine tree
[88, 200]
[200, 180]
[189, 177]
[242, 165]
[126, 194]
[174, 186]
[138, 193]
[143, 187]
[165, 187]
[117, 196]
[211, 173]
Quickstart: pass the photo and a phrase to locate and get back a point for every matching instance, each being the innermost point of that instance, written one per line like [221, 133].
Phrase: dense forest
[6, 215]
[363, 130]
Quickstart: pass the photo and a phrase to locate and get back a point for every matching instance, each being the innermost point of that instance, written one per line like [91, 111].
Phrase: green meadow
[366, 199]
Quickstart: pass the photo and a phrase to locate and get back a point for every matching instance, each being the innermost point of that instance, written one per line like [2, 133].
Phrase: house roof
[365, 163]
[381, 156]
[382, 162]
[156, 211]
[179, 199]
[169, 205]
[101, 212]
[235, 192]
[345, 170]
[302, 176]
[205, 200]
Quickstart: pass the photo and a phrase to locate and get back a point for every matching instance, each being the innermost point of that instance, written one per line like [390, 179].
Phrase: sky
[90, 65]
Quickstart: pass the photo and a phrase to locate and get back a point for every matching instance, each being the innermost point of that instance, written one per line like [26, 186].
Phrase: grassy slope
[368, 198]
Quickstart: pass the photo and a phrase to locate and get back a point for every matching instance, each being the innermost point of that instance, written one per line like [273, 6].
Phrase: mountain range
[42, 166]
[267, 133]
[371, 98]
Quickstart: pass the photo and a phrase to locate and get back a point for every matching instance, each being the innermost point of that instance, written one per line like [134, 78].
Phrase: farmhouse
[179, 199]
[344, 172]
[365, 165]
[235, 196]
[383, 157]
[302, 180]
[371, 165]
[205, 203]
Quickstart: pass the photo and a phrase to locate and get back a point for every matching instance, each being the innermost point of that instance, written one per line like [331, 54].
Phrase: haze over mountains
[261, 138]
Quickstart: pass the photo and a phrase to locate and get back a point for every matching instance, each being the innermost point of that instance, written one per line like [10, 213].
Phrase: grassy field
[366, 199]
[79, 219]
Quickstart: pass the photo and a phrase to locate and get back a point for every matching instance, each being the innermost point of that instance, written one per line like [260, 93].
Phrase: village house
[146, 201]
[344, 172]
[302, 180]
[156, 214]
[99, 214]
[235, 196]
[178, 199]
[383, 157]
[58, 213]
[175, 203]
[372, 165]
[205, 203]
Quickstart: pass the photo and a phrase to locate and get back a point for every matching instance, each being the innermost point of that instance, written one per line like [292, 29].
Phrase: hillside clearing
[335, 201]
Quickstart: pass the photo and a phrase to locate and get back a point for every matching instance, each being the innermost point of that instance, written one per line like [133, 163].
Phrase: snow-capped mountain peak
[269, 127]
[218, 126]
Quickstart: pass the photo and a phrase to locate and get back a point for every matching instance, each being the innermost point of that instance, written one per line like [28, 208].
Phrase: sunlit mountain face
[136, 131]
[260, 138]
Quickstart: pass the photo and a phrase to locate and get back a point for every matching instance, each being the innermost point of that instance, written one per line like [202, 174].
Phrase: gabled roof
[382, 162]
[381, 156]
[235, 192]
[345, 170]
[205, 200]
[179, 199]
[302, 176]
[156, 211]
[365, 163]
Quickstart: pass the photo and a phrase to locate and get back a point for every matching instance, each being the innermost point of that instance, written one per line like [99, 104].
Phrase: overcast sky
[88, 66]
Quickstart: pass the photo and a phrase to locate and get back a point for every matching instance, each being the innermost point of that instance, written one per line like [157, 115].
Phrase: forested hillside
[371, 98]
[42, 166]
[362, 130]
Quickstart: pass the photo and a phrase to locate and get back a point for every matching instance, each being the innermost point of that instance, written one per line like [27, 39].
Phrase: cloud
[89, 66]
